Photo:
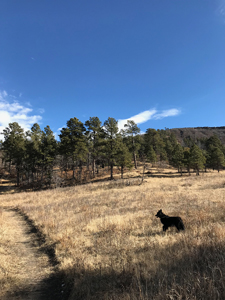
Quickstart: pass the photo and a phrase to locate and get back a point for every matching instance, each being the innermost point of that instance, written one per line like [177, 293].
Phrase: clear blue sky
[159, 61]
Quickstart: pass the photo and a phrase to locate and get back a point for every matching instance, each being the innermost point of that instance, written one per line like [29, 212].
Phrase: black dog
[170, 221]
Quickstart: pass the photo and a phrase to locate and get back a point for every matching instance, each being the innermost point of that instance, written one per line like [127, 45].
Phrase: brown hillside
[198, 133]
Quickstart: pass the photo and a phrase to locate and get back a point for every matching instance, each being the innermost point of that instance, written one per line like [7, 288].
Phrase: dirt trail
[27, 271]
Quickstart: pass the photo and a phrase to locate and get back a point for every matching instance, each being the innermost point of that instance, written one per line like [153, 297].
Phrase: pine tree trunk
[143, 173]
[73, 171]
[93, 167]
[135, 160]
[80, 174]
[122, 172]
[97, 169]
[111, 171]
[197, 171]
[134, 154]
[17, 177]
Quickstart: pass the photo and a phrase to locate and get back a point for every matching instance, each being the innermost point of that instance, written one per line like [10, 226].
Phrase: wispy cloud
[220, 11]
[12, 111]
[167, 113]
[139, 118]
[41, 110]
[147, 115]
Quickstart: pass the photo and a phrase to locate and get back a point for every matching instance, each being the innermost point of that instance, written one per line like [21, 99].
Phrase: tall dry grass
[110, 245]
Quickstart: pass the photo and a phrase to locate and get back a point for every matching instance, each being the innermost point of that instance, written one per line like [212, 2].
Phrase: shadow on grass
[177, 271]
[7, 189]
[51, 288]
[149, 233]
[39, 238]
[197, 273]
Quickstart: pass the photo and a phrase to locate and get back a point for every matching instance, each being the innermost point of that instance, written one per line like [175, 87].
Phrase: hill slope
[198, 133]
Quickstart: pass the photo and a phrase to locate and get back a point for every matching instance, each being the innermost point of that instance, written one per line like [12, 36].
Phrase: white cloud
[139, 118]
[148, 115]
[12, 111]
[167, 113]
[59, 129]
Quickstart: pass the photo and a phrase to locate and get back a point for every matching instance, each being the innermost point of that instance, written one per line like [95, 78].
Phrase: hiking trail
[24, 261]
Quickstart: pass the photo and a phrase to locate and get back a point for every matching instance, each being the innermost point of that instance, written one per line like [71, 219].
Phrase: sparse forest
[87, 150]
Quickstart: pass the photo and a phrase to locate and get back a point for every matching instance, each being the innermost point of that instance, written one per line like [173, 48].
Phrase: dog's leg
[165, 228]
[180, 226]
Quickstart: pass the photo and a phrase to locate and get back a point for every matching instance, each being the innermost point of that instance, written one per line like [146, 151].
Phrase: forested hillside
[89, 150]
[198, 133]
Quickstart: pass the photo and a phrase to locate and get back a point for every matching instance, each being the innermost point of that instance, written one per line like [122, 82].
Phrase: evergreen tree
[123, 157]
[131, 131]
[214, 141]
[187, 159]
[151, 155]
[33, 150]
[147, 154]
[215, 153]
[95, 135]
[217, 158]
[178, 157]
[170, 142]
[189, 141]
[152, 138]
[111, 147]
[197, 158]
[73, 144]
[14, 148]
[49, 152]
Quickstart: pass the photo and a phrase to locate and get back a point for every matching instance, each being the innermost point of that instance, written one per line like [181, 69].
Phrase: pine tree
[187, 159]
[49, 152]
[215, 153]
[197, 158]
[131, 131]
[33, 150]
[14, 148]
[217, 158]
[151, 155]
[147, 154]
[95, 134]
[123, 157]
[178, 157]
[111, 147]
[170, 142]
[152, 138]
[73, 144]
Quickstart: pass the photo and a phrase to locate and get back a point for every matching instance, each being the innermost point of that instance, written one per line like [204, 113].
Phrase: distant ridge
[198, 133]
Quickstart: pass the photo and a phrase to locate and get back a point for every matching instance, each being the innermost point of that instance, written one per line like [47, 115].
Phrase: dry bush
[110, 245]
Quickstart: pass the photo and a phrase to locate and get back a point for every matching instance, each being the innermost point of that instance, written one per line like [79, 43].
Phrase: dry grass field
[110, 245]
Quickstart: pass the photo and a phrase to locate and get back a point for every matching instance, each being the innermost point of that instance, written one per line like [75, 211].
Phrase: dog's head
[159, 214]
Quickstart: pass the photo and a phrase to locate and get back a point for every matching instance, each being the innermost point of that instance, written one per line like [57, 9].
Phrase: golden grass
[22, 267]
[110, 245]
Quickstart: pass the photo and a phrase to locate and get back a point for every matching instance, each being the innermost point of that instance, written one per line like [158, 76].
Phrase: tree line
[84, 148]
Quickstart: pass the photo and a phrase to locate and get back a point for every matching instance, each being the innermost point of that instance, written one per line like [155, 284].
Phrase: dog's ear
[160, 210]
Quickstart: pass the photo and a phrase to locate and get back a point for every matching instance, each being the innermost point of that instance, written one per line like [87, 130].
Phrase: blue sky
[158, 62]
